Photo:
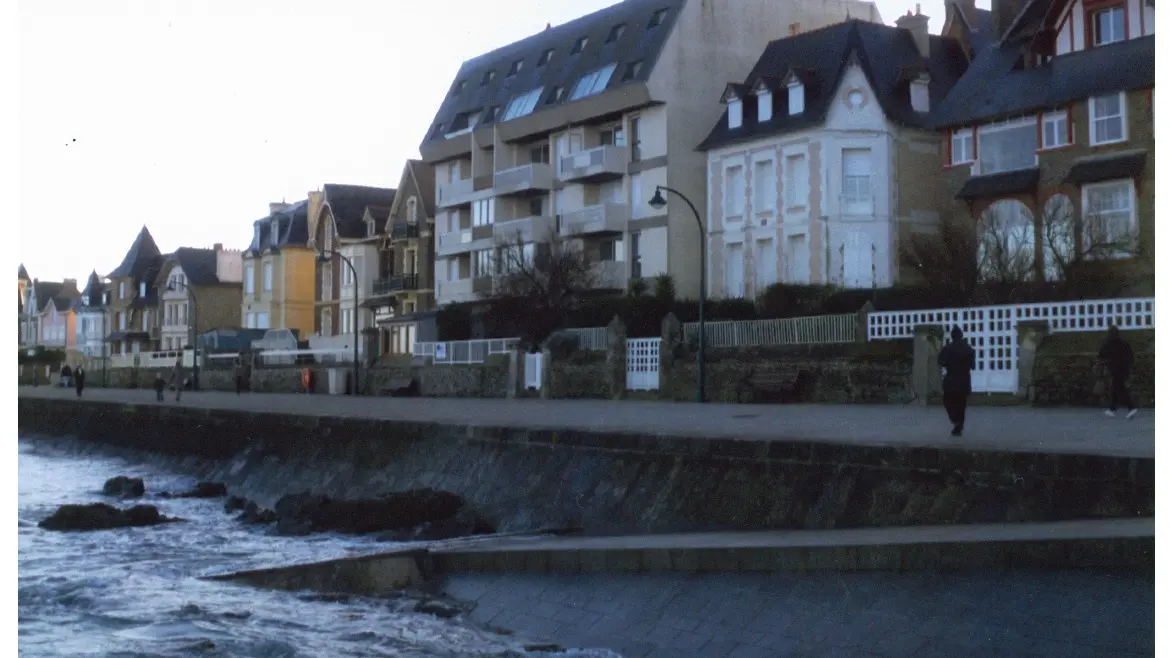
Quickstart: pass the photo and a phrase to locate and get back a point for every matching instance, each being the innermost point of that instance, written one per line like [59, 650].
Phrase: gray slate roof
[142, 254]
[55, 292]
[348, 204]
[819, 58]
[199, 265]
[94, 289]
[487, 81]
[281, 229]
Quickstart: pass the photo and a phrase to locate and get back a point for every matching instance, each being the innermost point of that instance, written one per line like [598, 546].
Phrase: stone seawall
[614, 483]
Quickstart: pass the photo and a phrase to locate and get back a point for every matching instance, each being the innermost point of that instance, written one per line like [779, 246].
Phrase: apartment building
[279, 271]
[91, 317]
[568, 132]
[131, 300]
[341, 217]
[198, 290]
[825, 158]
[1050, 139]
[403, 297]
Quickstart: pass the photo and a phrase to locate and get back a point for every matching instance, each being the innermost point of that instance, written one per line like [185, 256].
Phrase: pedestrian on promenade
[1117, 357]
[160, 385]
[241, 373]
[177, 378]
[957, 360]
[66, 376]
[79, 379]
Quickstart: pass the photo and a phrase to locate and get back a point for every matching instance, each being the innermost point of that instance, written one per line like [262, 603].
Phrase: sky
[190, 117]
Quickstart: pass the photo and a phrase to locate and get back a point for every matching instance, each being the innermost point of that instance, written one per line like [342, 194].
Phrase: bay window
[1110, 219]
[1106, 119]
[1007, 147]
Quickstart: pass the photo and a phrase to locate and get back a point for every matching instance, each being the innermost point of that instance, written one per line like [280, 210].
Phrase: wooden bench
[403, 387]
[784, 387]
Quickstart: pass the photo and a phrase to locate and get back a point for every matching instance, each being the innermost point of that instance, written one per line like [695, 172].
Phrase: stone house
[567, 133]
[1050, 140]
[821, 163]
[280, 268]
[131, 300]
[403, 298]
[198, 290]
[91, 317]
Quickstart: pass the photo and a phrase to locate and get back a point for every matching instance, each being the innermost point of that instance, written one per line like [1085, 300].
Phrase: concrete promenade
[1014, 429]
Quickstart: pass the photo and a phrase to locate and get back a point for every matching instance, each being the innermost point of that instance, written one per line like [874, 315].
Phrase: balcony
[595, 165]
[529, 229]
[465, 240]
[393, 284]
[404, 232]
[535, 178]
[456, 193]
[602, 218]
[612, 275]
[482, 285]
[454, 291]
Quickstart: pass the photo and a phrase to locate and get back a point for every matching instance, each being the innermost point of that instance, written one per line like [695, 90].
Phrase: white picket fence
[464, 351]
[811, 330]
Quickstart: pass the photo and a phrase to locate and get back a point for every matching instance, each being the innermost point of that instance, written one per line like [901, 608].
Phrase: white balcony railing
[603, 161]
[601, 218]
[464, 351]
[535, 176]
[529, 229]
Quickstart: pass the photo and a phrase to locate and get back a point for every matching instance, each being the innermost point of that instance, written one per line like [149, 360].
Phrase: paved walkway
[1017, 429]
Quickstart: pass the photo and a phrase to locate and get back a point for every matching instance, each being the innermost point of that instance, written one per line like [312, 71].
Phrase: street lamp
[323, 257]
[658, 202]
[192, 329]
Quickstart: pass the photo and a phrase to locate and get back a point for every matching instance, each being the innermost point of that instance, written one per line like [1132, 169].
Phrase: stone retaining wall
[1065, 369]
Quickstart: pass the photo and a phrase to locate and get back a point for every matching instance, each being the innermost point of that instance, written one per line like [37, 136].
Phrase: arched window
[1007, 242]
[1058, 236]
[412, 209]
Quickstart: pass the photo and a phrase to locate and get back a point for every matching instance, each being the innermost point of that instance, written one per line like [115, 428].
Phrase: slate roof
[993, 185]
[94, 289]
[199, 265]
[55, 292]
[978, 30]
[348, 205]
[636, 41]
[997, 86]
[143, 253]
[887, 55]
[291, 229]
[424, 179]
[379, 214]
[22, 274]
[1112, 167]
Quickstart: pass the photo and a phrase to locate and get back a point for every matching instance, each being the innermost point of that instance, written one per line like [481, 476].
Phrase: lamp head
[656, 201]
[322, 257]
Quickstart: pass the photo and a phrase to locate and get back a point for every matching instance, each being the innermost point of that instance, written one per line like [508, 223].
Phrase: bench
[784, 387]
[403, 387]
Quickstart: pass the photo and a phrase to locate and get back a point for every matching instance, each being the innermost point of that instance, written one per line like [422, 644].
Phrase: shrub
[562, 344]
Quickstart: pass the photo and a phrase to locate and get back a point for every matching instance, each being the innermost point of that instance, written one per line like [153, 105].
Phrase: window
[733, 192]
[267, 277]
[764, 186]
[1007, 147]
[483, 263]
[412, 209]
[523, 104]
[536, 207]
[579, 46]
[657, 18]
[615, 32]
[612, 250]
[487, 78]
[544, 57]
[635, 139]
[962, 146]
[734, 113]
[554, 95]
[513, 258]
[631, 71]
[1108, 26]
[1110, 222]
[733, 284]
[614, 136]
[250, 279]
[121, 290]
[1106, 120]
[145, 320]
[764, 106]
[515, 68]
[796, 180]
[795, 98]
[637, 202]
[593, 82]
[121, 321]
[1056, 130]
[540, 154]
[141, 288]
[491, 114]
[483, 212]
[1007, 242]
[262, 320]
[855, 179]
[1059, 236]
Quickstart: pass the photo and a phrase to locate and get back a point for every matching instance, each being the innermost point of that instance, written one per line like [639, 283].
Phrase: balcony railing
[612, 274]
[392, 284]
[596, 164]
[464, 240]
[529, 229]
[601, 218]
[404, 232]
[535, 177]
[456, 193]
[458, 290]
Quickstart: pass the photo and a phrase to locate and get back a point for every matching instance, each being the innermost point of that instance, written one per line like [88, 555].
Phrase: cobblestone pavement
[1019, 429]
[1024, 613]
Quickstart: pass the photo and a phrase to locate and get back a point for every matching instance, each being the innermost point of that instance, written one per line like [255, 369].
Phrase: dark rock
[545, 648]
[253, 514]
[234, 503]
[303, 513]
[100, 516]
[201, 490]
[440, 609]
[124, 487]
[466, 523]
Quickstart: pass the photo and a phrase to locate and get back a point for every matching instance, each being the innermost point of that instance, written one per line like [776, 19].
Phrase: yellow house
[279, 270]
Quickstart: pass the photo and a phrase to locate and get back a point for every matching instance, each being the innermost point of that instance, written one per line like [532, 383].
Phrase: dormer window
[734, 113]
[615, 32]
[763, 103]
[795, 97]
[85, 300]
[487, 78]
[515, 68]
[579, 46]
[657, 18]
[141, 288]
[632, 70]
[920, 93]
[1108, 26]
[544, 57]
[554, 95]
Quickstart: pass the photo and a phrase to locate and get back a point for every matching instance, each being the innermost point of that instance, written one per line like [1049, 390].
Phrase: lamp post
[658, 203]
[323, 257]
[192, 329]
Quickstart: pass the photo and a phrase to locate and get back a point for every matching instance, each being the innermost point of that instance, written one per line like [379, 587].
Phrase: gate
[642, 363]
[532, 366]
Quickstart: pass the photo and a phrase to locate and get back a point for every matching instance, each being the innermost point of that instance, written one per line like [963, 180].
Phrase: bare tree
[945, 260]
[1066, 253]
[1006, 239]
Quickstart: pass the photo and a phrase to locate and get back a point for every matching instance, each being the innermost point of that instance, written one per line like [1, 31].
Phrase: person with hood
[957, 359]
[177, 379]
[66, 376]
[1117, 356]
[79, 379]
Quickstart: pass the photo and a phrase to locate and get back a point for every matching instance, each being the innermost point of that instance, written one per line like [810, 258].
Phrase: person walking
[958, 360]
[241, 373]
[160, 385]
[177, 379]
[79, 379]
[66, 376]
[1117, 356]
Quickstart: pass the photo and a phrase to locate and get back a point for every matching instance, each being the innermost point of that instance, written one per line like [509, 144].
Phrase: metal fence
[812, 330]
[591, 338]
[464, 351]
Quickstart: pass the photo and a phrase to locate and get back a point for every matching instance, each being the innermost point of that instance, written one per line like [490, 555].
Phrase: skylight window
[593, 83]
[544, 57]
[522, 105]
[616, 32]
[579, 46]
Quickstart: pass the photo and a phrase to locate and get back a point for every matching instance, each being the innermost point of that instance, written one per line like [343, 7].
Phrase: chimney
[547, 27]
[276, 207]
[793, 29]
[218, 246]
[917, 25]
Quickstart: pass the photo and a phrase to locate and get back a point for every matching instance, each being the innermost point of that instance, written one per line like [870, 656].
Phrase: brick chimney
[917, 24]
[276, 206]
[218, 246]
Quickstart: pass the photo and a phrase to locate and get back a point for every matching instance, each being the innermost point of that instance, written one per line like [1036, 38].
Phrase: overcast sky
[190, 117]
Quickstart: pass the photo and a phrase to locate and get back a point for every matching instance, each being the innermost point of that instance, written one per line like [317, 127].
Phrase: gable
[854, 105]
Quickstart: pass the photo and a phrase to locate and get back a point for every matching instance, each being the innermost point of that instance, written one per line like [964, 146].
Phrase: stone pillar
[928, 339]
[672, 338]
[1029, 333]
[516, 374]
[863, 322]
[615, 358]
[546, 363]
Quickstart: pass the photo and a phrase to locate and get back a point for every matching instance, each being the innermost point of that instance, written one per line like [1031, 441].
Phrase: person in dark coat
[160, 385]
[1117, 356]
[178, 378]
[66, 376]
[79, 379]
[958, 359]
